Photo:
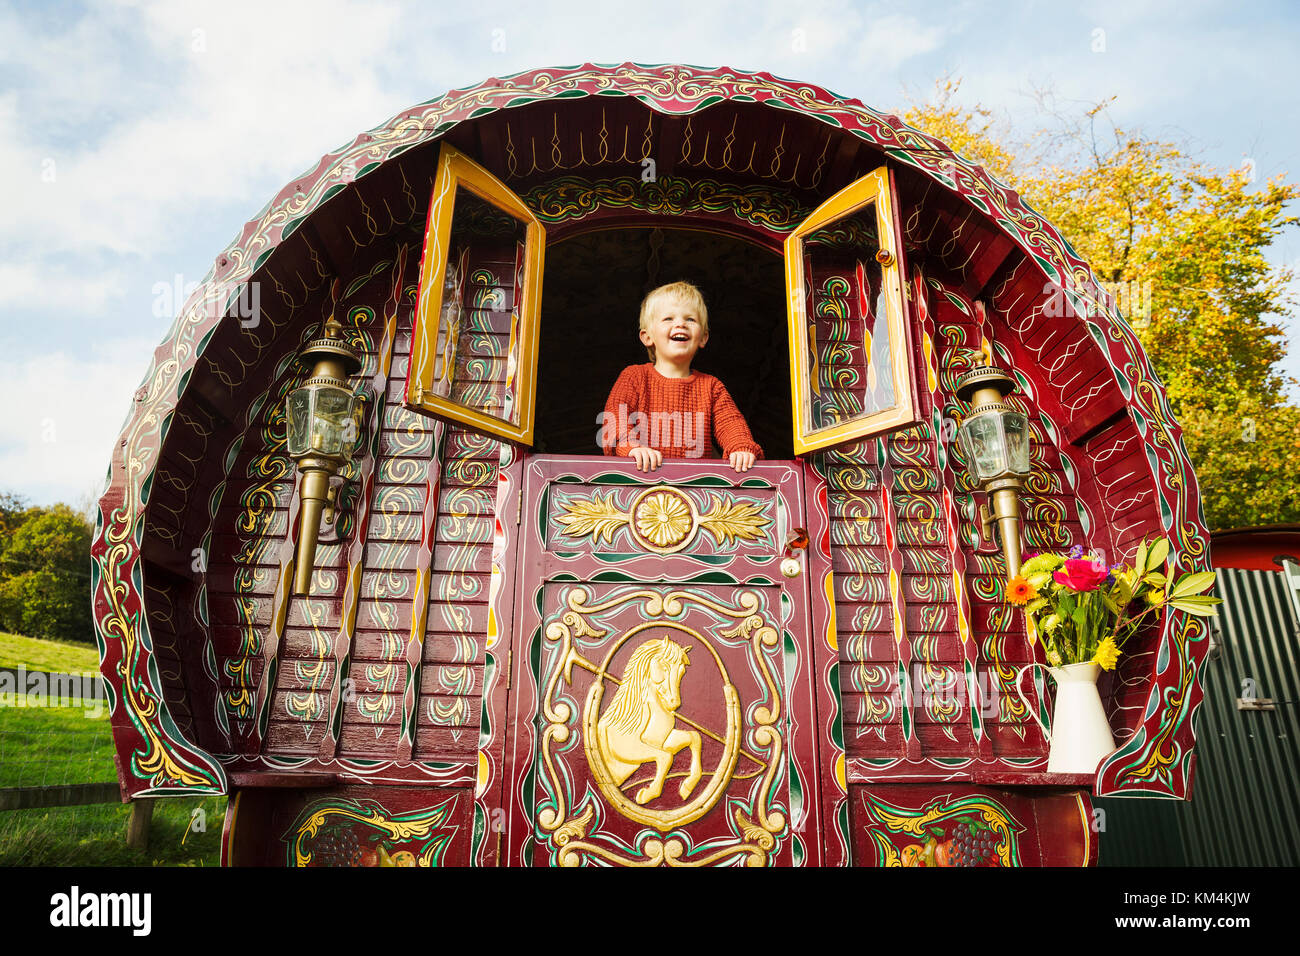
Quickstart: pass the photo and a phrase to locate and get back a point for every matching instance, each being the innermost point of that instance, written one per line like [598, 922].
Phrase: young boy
[663, 409]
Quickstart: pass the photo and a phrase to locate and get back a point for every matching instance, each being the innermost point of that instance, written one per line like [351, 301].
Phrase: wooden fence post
[137, 826]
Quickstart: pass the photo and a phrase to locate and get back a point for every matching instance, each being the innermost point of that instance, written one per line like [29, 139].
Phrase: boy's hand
[647, 459]
[742, 460]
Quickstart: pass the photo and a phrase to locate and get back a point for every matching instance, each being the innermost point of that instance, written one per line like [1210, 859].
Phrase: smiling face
[673, 327]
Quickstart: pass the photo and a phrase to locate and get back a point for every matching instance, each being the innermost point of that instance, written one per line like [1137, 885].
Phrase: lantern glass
[322, 421]
[298, 412]
[981, 439]
[996, 443]
[1015, 428]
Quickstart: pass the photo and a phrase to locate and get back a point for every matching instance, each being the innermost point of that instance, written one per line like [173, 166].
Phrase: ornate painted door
[665, 679]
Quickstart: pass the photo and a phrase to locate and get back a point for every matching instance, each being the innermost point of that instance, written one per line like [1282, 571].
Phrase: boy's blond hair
[683, 291]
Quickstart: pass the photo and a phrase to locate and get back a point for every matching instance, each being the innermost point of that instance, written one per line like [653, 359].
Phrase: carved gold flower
[664, 519]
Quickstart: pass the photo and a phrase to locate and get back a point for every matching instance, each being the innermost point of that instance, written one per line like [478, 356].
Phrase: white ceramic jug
[1080, 736]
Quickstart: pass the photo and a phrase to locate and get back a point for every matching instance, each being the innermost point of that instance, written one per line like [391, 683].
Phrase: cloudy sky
[136, 138]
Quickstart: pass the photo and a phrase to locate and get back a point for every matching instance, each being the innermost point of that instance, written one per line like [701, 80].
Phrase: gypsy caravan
[361, 565]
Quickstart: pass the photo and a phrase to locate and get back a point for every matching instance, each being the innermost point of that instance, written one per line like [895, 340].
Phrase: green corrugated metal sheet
[1140, 831]
[1246, 788]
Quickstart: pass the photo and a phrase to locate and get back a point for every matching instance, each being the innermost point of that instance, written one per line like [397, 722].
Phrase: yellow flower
[1041, 563]
[663, 519]
[1155, 598]
[1020, 592]
[1107, 654]
[1050, 623]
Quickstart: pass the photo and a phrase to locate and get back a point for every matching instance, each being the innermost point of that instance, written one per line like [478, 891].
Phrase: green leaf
[1140, 559]
[1156, 556]
[1156, 579]
[1080, 618]
[1190, 584]
[1196, 606]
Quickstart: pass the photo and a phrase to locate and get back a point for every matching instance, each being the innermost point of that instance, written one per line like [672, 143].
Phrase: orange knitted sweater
[677, 416]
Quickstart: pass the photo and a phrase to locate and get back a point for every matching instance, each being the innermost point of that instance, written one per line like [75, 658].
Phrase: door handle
[796, 540]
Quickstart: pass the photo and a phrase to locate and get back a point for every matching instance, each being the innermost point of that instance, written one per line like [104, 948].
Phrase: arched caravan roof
[750, 129]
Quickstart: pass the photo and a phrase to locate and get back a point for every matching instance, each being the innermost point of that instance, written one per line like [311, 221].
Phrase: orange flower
[1020, 592]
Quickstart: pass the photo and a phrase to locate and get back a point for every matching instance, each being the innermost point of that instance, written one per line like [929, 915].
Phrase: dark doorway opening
[591, 299]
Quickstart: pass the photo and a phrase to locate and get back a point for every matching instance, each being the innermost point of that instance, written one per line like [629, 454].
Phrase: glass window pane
[851, 338]
[449, 320]
[476, 324]
[474, 340]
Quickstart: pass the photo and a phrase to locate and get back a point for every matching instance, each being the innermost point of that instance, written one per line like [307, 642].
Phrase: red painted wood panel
[960, 825]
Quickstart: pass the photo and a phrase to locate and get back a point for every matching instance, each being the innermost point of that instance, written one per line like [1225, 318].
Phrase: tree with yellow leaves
[1184, 246]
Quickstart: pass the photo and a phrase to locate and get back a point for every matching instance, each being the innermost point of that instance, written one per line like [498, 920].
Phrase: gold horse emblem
[640, 726]
[640, 723]
[658, 688]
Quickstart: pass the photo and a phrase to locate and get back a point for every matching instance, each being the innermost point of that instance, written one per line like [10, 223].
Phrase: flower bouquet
[1084, 612]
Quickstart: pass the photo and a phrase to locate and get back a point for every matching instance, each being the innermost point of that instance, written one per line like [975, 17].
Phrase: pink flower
[1081, 574]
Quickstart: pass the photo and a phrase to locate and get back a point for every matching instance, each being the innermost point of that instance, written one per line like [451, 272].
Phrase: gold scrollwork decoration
[887, 819]
[596, 516]
[662, 519]
[420, 825]
[651, 679]
[728, 519]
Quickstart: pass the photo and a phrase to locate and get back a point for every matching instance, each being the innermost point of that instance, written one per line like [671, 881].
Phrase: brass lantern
[324, 426]
[995, 438]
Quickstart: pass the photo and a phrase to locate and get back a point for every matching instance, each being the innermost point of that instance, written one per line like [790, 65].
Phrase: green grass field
[96, 835]
[40, 655]
[53, 746]
[49, 746]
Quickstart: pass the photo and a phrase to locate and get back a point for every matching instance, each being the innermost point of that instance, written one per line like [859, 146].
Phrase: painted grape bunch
[974, 847]
[340, 846]
[967, 841]
[337, 847]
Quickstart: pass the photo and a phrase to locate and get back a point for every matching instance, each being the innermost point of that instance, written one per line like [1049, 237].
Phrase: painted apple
[943, 854]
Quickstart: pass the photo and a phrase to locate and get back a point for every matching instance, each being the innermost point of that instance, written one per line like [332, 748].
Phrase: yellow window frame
[876, 187]
[454, 170]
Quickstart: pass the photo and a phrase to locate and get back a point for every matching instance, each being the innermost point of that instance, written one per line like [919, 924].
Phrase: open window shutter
[850, 338]
[474, 345]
